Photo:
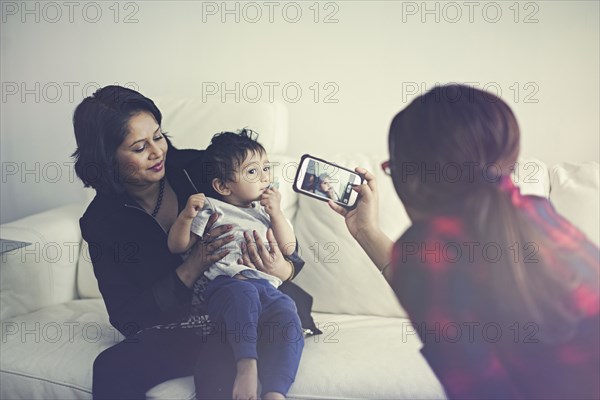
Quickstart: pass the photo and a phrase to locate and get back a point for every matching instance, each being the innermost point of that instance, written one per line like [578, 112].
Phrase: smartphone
[326, 181]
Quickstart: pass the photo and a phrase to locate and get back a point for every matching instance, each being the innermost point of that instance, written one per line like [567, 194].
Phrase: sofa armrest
[43, 273]
[575, 193]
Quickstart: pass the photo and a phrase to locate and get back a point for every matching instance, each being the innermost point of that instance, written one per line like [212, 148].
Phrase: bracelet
[293, 270]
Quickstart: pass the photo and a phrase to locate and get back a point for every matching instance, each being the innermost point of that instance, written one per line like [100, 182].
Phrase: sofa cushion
[532, 177]
[42, 273]
[364, 357]
[192, 122]
[575, 192]
[50, 353]
[87, 284]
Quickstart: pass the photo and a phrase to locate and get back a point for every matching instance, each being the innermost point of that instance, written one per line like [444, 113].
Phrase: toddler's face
[325, 185]
[253, 177]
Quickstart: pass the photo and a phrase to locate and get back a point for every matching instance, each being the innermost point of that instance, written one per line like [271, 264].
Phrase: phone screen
[326, 181]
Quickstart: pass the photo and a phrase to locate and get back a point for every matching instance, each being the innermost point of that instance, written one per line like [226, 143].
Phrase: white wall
[372, 55]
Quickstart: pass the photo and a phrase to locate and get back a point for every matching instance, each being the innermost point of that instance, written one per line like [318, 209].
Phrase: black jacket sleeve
[131, 305]
[296, 260]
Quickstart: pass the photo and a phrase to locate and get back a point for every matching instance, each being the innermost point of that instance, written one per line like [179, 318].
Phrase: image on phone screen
[326, 181]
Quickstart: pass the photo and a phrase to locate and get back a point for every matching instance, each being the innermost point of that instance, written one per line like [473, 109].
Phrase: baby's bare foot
[245, 386]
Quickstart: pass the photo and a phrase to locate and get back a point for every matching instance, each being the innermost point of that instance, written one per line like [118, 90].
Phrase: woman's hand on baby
[271, 201]
[205, 252]
[193, 206]
[256, 255]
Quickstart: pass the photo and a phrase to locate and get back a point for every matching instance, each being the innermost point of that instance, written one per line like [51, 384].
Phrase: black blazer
[134, 267]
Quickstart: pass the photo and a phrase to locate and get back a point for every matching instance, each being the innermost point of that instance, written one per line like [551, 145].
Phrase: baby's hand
[271, 201]
[193, 206]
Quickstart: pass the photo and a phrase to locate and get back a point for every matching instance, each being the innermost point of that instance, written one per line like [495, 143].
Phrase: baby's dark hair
[228, 150]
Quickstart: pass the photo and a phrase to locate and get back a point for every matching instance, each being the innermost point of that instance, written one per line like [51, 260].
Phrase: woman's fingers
[362, 190]
[253, 255]
[202, 256]
[272, 242]
[213, 258]
[218, 231]
[263, 252]
[337, 208]
[218, 243]
[369, 177]
[210, 234]
[211, 220]
[245, 258]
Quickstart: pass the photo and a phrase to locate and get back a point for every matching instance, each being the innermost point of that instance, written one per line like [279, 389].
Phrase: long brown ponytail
[451, 150]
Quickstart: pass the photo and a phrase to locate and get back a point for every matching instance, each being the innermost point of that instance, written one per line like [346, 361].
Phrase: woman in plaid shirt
[502, 290]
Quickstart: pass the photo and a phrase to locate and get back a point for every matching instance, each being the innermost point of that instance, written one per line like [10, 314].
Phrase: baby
[239, 298]
[324, 187]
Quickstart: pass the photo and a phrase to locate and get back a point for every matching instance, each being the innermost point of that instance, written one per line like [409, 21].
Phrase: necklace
[160, 197]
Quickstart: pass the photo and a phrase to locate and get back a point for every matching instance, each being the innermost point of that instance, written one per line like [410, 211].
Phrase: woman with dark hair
[503, 291]
[141, 186]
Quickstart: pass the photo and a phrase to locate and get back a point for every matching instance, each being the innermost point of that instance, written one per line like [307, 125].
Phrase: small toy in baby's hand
[274, 184]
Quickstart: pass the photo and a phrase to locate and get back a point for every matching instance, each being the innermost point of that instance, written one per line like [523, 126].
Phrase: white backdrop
[343, 69]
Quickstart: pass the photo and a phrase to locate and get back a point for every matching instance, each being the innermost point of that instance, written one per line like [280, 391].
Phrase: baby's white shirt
[241, 219]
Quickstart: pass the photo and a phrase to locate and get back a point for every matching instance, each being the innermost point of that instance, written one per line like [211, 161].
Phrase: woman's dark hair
[101, 124]
[448, 151]
[452, 138]
[310, 182]
[227, 152]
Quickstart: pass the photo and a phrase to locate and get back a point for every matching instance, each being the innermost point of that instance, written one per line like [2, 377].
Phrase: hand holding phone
[326, 181]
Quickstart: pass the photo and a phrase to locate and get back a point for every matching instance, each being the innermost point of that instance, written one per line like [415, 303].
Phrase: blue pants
[259, 322]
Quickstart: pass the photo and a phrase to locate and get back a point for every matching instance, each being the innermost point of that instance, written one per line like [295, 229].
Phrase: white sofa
[54, 322]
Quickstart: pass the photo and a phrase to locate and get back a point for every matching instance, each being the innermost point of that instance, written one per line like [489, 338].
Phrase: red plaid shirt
[442, 278]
